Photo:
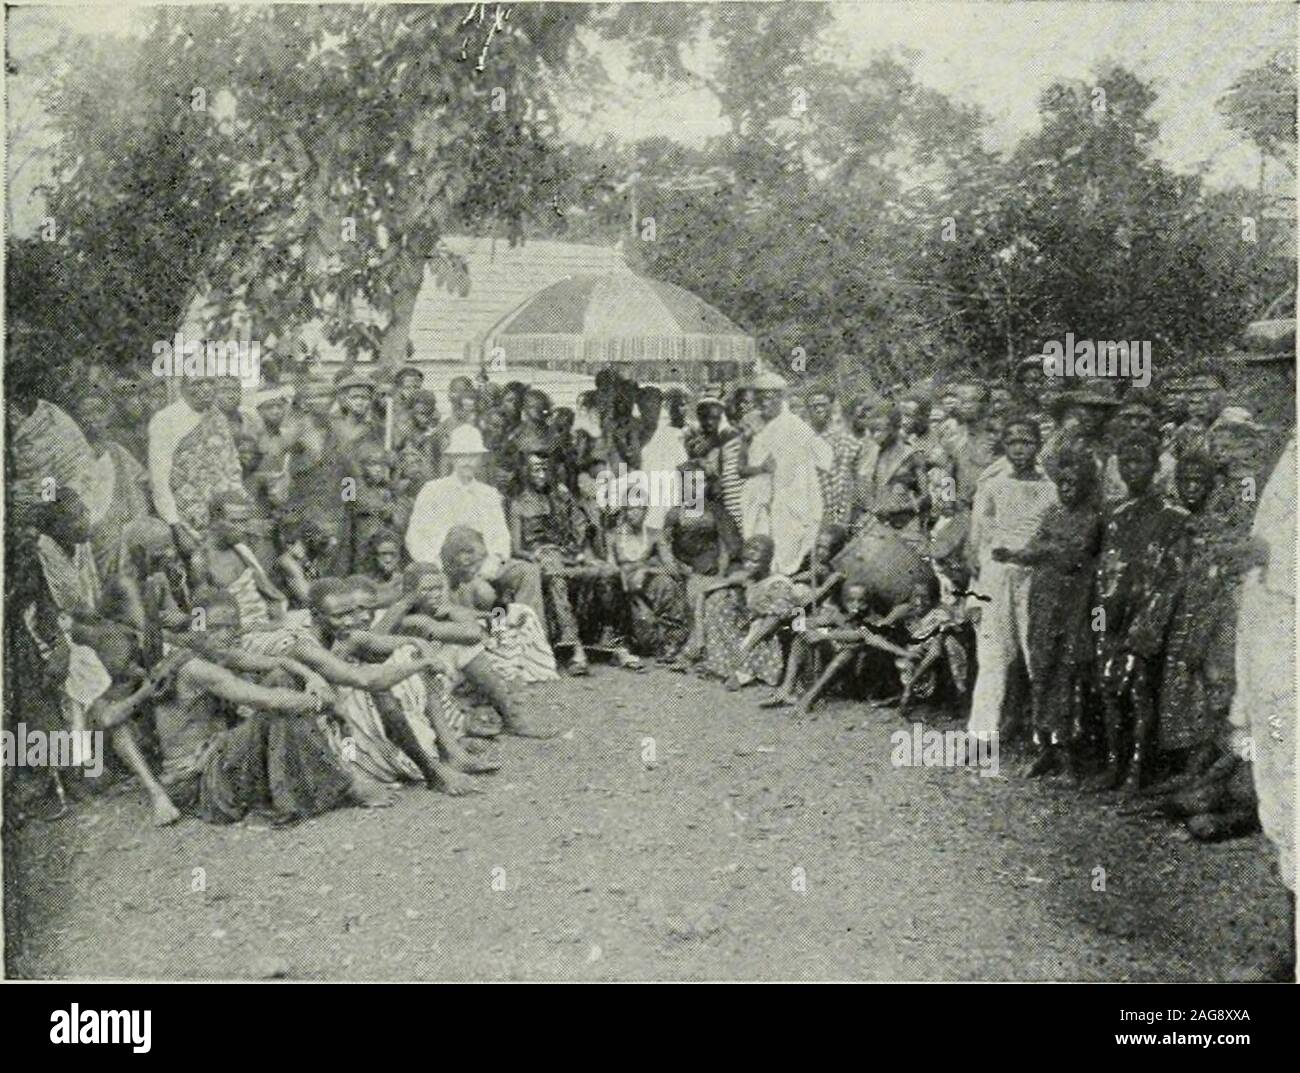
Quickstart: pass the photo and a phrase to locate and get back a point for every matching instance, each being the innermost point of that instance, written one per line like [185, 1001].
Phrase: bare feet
[164, 812]
[452, 783]
[1106, 779]
[577, 665]
[625, 659]
[370, 794]
[1044, 763]
[463, 760]
[526, 728]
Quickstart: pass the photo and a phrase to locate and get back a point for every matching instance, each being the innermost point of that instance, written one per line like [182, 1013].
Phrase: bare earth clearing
[613, 868]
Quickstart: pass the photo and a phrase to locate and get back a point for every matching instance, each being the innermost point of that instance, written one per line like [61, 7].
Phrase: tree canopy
[291, 164]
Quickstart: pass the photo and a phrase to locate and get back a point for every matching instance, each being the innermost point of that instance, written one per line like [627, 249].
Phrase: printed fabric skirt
[727, 618]
[277, 767]
[517, 647]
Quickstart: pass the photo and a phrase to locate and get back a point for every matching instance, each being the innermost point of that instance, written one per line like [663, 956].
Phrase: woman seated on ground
[727, 640]
[696, 546]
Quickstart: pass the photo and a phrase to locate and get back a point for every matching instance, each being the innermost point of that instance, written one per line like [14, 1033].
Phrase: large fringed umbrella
[649, 330]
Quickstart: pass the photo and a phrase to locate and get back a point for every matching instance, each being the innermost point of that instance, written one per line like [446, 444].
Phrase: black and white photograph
[650, 492]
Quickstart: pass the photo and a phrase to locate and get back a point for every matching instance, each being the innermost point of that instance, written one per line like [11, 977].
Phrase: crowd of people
[1063, 560]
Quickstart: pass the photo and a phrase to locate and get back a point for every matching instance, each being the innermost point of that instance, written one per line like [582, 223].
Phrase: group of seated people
[397, 580]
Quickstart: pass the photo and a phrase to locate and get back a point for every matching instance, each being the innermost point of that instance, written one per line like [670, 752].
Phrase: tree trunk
[409, 277]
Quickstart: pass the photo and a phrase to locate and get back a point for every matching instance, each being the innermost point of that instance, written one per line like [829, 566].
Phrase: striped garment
[356, 732]
[730, 480]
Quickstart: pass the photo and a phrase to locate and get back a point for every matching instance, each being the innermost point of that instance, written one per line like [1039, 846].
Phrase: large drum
[886, 564]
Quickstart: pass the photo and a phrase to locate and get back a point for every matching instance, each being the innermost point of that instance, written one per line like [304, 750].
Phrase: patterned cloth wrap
[358, 737]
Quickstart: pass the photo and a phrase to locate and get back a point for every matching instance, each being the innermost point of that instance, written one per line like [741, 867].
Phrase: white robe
[1265, 700]
[660, 459]
[794, 504]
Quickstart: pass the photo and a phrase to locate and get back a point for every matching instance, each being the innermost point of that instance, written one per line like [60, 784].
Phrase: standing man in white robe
[788, 450]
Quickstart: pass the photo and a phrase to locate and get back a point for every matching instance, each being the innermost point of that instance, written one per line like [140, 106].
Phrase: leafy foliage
[296, 164]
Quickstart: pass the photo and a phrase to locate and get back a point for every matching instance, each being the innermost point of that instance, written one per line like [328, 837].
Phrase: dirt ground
[752, 847]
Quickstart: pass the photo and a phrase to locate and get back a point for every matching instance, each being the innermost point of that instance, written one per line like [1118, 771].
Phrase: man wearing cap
[707, 438]
[793, 456]
[1087, 413]
[1203, 398]
[1129, 418]
[462, 499]
[272, 406]
[355, 420]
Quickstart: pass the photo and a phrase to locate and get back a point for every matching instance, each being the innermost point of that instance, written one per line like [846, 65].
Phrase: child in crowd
[936, 654]
[375, 506]
[833, 632]
[383, 564]
[1198, 678]
[304, 546]
[816, 570]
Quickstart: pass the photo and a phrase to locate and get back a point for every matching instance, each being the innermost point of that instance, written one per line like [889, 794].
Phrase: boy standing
[1007, 512]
